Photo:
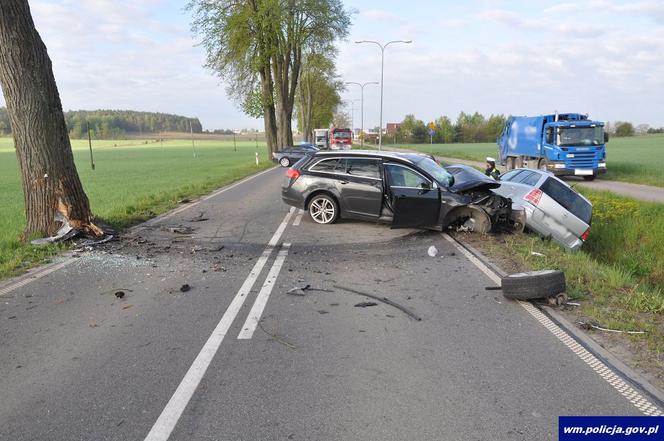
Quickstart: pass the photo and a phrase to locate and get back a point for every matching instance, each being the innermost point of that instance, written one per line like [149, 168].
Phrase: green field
[638, 159]
[132, 182]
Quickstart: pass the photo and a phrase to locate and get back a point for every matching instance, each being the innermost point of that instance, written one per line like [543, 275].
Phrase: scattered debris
[300, 290]
[588, 325]
[127, 306]
[11, 317]
[535, 253]
[67, 232]
[200, 218]
[365, 304]
[180, 229]
[322, 311]
[185, 288]
[184, 201]
[432, 251]
[120, 294]
[384, 300]
[196, 248]
[573, 304]
[275, 337]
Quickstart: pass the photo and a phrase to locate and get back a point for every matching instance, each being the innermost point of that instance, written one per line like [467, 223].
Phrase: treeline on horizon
[471, 128]
[117, 124]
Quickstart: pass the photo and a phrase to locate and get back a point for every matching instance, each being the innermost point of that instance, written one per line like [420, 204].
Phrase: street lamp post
[382, 64]
[362, 106]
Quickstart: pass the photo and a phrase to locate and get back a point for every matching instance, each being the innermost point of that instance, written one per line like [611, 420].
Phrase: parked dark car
[403, 189]
[290, 155]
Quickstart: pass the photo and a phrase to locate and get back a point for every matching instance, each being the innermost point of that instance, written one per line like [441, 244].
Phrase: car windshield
[442, 176]
[572, 136]
[568, 198]
[342, 134]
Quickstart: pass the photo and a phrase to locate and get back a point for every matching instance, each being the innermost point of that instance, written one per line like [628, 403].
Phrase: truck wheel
[518, 162]
[590, 178]
[542, 164]
[533, 284]
[511, 161]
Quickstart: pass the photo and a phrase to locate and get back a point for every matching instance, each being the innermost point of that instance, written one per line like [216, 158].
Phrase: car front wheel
[285, 162]
[323, 209]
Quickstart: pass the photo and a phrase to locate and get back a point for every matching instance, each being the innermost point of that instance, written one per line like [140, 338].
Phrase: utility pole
[92, 159]
[362, 106]
[382, 65]
[193, 146]
[234, 141]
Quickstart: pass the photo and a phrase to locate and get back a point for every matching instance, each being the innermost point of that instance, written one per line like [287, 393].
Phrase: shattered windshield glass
[437, 172]
[573, 136]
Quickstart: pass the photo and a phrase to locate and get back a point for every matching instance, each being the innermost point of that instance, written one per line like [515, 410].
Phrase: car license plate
[582, 172]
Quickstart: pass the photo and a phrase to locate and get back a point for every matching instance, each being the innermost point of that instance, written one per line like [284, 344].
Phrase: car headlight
[602, 164]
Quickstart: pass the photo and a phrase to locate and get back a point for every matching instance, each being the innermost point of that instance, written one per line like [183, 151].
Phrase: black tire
[285, 162]
[533, 284]
[511, 163]
[541, 165]
[589, 178]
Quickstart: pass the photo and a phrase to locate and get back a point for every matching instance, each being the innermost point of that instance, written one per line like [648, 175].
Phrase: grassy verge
[617, 277]
[637, 159]
[131, 183]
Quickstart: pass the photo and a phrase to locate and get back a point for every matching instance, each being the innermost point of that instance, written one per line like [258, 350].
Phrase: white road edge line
[169, 417]
[298, 219]
[264, 295]
[605, 372]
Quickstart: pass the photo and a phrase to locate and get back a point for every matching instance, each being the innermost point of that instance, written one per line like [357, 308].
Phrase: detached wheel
[285, 162]
[533, 285]
[589, 178]
[542, 164]
[323, 209]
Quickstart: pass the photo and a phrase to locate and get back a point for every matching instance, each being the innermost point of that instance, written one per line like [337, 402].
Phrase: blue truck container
[565, 144]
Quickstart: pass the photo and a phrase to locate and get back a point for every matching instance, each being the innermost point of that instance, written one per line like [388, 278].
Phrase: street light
[382, 63]
[362, 106]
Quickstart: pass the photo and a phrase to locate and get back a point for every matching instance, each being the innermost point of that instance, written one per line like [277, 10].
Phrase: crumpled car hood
[467, 178]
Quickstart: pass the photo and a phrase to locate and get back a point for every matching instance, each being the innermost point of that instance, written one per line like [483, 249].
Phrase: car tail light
[584, 236]
[293, 173]
[533, 196]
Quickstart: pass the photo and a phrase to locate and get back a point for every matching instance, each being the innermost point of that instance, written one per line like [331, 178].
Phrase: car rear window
[362, 167]
[528, 178]
[326, 165]
[568, 198]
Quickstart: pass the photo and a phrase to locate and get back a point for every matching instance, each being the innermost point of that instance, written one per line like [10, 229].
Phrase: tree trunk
[49, 177]
[269, 116]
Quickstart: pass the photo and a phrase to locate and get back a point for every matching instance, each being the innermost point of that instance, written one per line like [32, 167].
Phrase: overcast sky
[605, 57]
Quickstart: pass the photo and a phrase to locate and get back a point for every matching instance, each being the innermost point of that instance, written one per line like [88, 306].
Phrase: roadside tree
[46, 162]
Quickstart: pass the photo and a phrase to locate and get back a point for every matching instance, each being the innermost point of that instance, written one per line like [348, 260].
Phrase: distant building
[392, 128]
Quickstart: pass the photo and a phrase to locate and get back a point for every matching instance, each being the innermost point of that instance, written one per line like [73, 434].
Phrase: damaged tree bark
[49, 177]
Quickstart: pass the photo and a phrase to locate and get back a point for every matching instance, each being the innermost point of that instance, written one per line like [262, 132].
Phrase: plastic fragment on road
[185, 288]
[535, 253]
[365, 304]
[432, 251]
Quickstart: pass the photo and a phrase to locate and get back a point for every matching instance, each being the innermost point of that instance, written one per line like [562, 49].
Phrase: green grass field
[132, 182]
[638, 159]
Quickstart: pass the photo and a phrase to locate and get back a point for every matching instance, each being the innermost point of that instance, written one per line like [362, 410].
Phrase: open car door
[415, 199]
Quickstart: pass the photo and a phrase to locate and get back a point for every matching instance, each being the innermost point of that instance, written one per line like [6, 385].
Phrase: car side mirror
[606, 137]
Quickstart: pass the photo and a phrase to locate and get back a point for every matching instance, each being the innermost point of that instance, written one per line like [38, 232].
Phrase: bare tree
[49, 177]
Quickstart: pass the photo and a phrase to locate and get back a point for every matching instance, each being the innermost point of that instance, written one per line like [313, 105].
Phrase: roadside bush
[628, 234]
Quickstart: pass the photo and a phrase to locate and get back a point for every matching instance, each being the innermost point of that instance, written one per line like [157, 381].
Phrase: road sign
[431, 131]
[431, 125]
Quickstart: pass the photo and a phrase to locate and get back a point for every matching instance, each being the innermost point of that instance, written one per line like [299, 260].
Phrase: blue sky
[605, 57]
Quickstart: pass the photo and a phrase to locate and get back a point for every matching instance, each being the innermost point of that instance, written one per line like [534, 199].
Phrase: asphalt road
[78, 363]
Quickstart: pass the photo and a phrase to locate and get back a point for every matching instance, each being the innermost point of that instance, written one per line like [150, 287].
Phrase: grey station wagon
[403, 189]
